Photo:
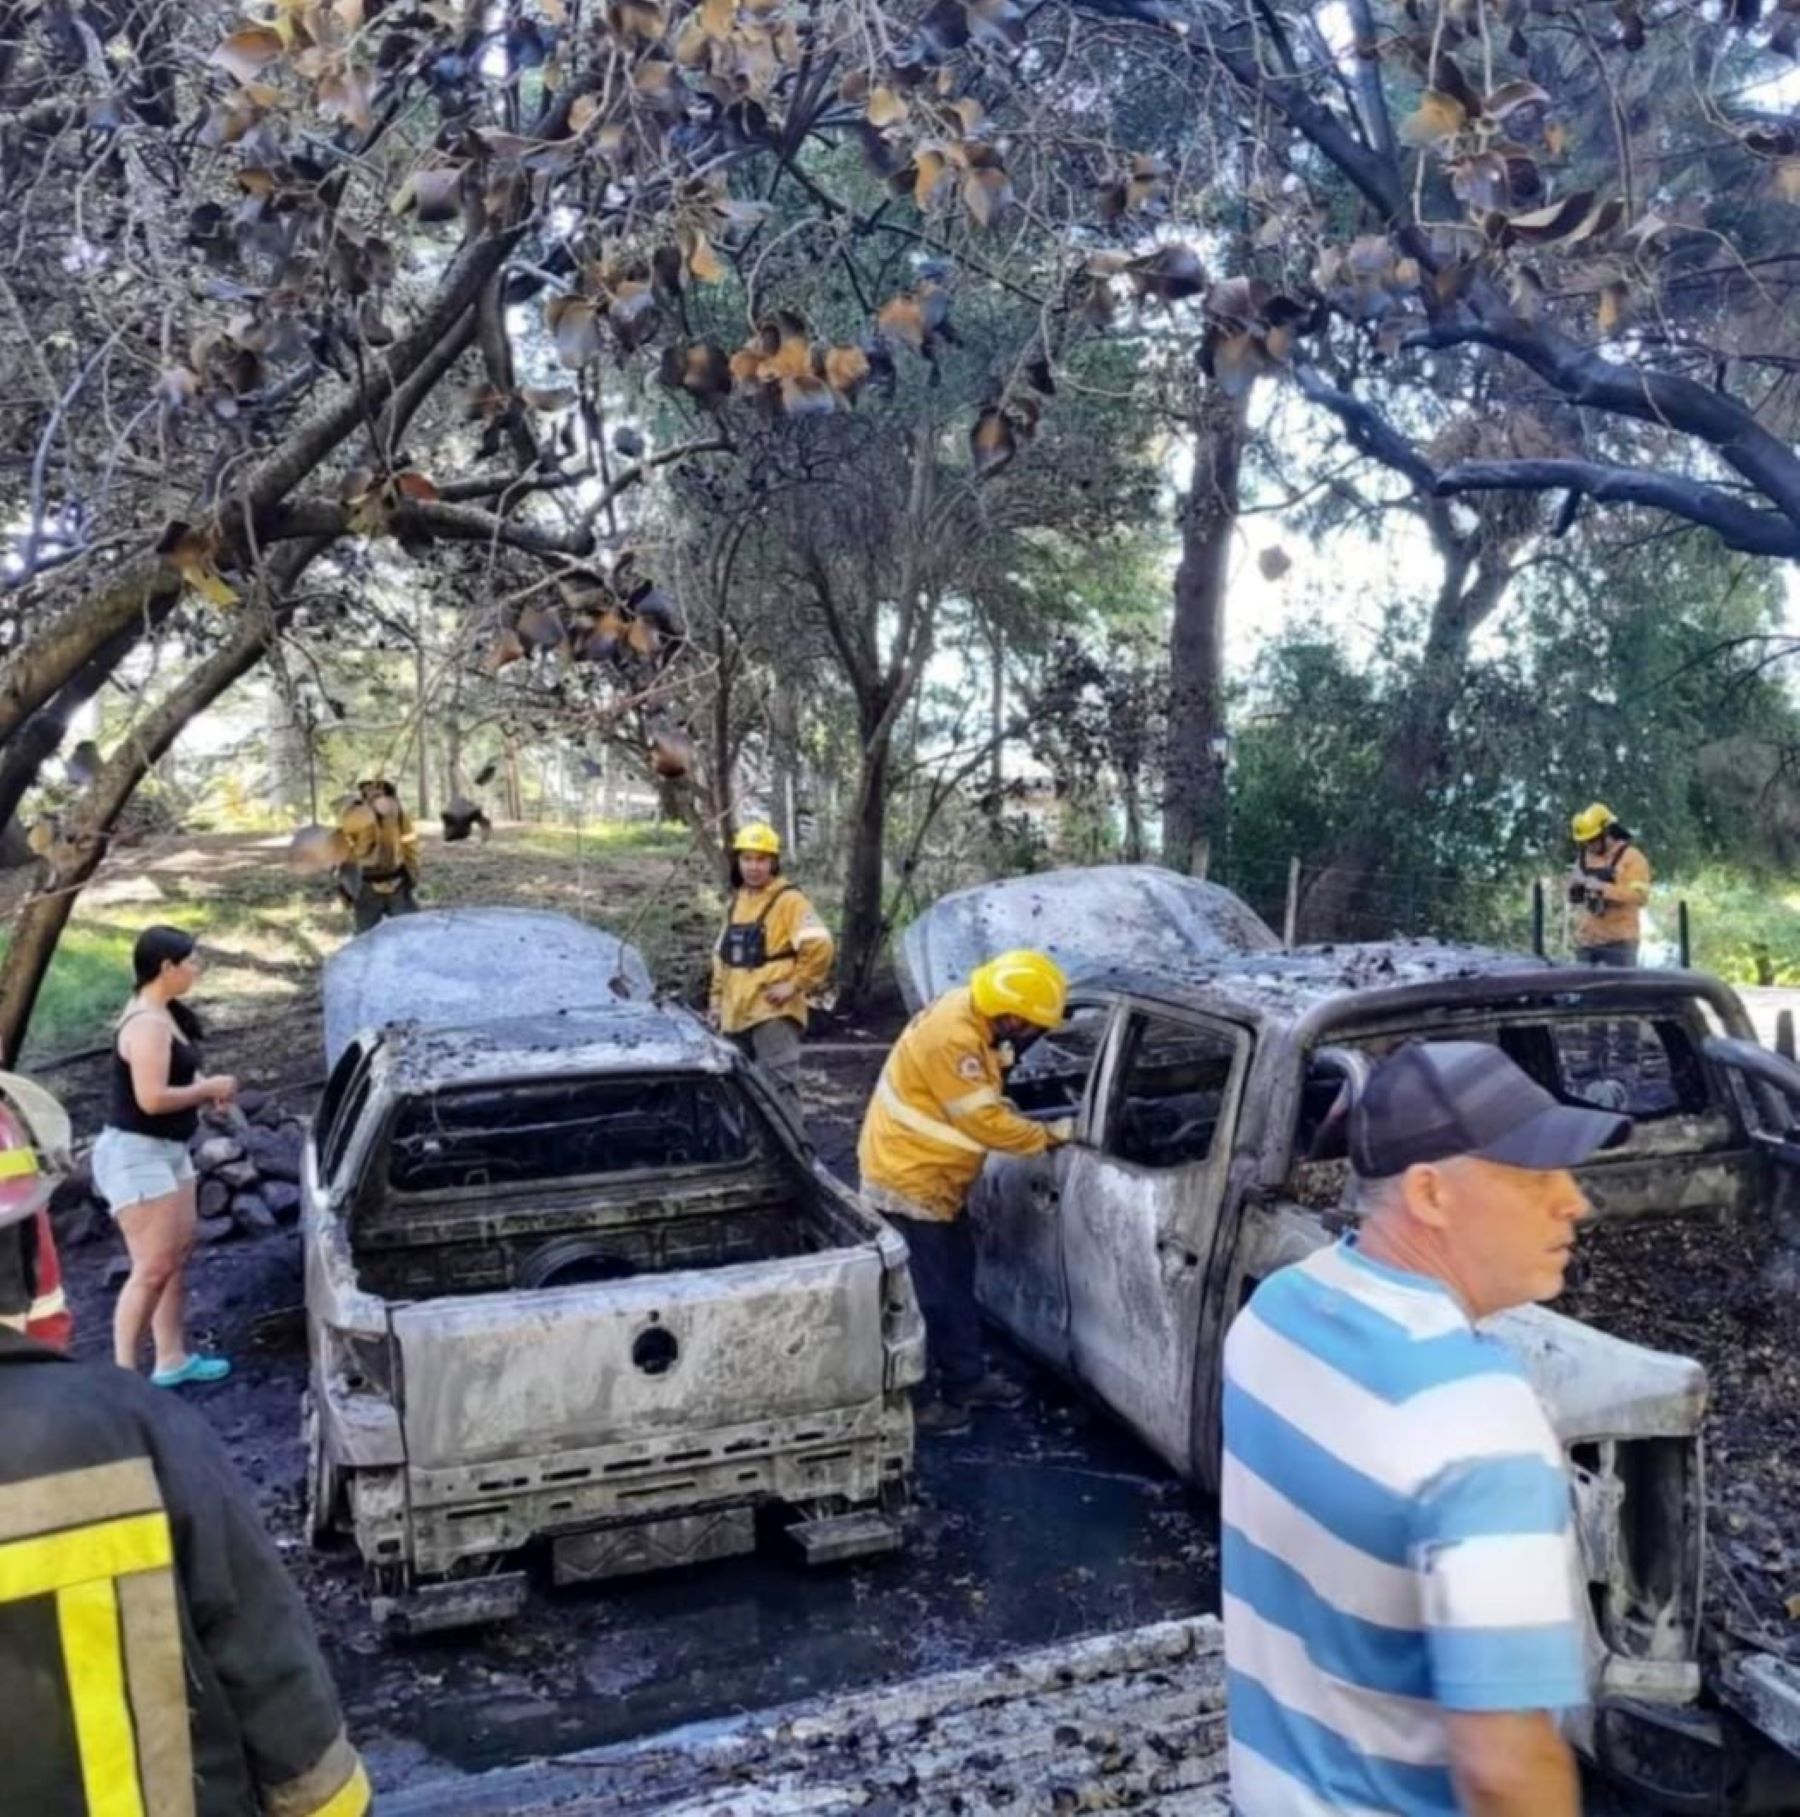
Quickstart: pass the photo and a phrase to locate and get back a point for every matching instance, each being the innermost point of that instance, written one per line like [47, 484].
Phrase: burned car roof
[628, 1037]
[1088, 919]
[1286, 985]
[1289, 987]
[447, 968]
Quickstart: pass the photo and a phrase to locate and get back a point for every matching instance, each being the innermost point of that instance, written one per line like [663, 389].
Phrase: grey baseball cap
[1432, 1100]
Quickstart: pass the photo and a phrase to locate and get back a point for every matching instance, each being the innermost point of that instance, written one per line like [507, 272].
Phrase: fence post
[1683, 945]
[1537, 916]
[1784, 1034]
[1290, 919]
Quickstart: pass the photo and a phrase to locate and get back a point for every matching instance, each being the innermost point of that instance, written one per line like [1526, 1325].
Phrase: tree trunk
[996, 788]
[784, 760]
[1191, 801]
[860, 947]
[422, 718]
[1134, 817]
[724, 764]
[45, 912]
[1368, 888]
[41, 736]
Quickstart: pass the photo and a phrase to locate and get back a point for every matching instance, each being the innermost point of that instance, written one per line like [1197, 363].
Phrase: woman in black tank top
[141, 1162]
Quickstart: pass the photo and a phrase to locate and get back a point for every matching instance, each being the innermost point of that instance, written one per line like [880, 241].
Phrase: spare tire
[573, 1262]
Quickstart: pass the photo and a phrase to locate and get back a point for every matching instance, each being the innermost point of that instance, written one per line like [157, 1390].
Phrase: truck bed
[497, 1247]
[1127, 1721]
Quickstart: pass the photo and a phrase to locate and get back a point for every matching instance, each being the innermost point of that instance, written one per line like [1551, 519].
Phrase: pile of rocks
[249, 1164]
[248, 1160]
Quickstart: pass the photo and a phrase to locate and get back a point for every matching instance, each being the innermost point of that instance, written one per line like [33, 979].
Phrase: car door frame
[1182, 1212]
[1026, 1191]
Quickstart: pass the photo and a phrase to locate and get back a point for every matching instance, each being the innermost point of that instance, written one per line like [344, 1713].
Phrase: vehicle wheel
[324, 1480]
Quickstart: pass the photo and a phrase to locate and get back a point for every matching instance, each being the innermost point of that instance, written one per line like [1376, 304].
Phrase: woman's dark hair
[159, 946]
[737, 870]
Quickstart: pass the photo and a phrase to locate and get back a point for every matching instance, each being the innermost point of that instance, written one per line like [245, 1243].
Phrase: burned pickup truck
[572, 1277]
[1208, 1072]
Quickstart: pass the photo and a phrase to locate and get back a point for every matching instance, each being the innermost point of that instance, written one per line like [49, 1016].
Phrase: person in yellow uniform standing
[937, 1113]
[380, 845]
[774, 956]
[1609, 886]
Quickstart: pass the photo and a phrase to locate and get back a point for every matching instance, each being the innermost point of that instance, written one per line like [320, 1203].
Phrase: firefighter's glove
[1061, 1131]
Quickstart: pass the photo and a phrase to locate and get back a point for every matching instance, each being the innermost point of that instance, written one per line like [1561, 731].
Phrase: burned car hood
[1091, 921]
[449, 968]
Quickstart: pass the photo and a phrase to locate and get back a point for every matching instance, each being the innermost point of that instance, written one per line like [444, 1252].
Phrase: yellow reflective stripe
[16, 1163]
[88, 1616]
[973, 1100]
[79, 1555]
[921, 1125]
[351, 1800]
[810, 936]
[48, 1305]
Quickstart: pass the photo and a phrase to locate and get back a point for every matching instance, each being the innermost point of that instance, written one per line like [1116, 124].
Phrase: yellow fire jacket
[386, 851]
[799, 948]
[1622, 917]
[937, 1112]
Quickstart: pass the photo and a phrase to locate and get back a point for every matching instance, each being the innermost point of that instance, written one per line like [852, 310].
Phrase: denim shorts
[129, 1168]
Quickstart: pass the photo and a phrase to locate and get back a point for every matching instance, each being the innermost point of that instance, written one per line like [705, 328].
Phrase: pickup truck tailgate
[556, 1369]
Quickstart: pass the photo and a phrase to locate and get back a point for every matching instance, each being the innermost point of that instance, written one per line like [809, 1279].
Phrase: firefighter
[34, 1146]
[1609, 885]
[936, 1115]
[772, 958]
[154, 1656]
[380, 869]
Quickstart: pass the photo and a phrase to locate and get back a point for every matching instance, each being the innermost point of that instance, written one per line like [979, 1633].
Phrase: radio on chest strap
[744, 945]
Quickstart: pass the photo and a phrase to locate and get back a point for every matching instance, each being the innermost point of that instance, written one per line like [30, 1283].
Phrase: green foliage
[1745, 927]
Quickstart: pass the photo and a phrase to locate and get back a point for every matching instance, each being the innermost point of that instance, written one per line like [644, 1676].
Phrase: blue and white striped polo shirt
[1397, 1540]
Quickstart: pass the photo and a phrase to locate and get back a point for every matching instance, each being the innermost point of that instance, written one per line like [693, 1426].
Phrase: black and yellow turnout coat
[155, 1661]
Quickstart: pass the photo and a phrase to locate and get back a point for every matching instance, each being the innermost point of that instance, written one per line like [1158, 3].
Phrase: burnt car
[1209, 1090]
[573, 1277]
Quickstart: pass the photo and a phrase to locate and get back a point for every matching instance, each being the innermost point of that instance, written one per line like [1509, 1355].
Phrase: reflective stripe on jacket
[801, 949]
[155, 1660]
[938, 1111]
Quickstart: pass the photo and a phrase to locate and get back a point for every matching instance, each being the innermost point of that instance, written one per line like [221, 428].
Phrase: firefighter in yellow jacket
[773, 956]
[937, 1113]
[154, 1657]
[380, 848]
[1609, 885]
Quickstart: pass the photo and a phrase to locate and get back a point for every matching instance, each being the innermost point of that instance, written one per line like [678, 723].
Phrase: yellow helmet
[1591, 822]
[758, 837]
[1021, 983]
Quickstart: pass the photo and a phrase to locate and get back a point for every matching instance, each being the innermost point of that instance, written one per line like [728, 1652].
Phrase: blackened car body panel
[1209, 1097]
[573, 1277]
